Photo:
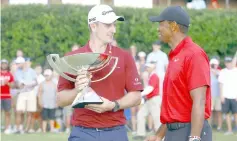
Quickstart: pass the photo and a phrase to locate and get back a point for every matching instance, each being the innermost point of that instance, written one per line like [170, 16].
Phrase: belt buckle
[98, 130]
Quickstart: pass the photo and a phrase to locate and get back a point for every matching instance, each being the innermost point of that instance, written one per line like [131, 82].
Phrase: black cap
[228, 59]
[173, 13]
[157, 43]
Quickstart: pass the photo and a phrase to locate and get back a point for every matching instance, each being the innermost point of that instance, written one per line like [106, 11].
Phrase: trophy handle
[54, 66]
[111, 71]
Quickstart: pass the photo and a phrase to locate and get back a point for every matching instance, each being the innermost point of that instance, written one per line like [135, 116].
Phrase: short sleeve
[132, 78]
[197, 70]
[64, 84]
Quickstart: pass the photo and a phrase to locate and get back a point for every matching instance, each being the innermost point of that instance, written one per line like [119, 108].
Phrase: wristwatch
[116, 107]
[194, 138]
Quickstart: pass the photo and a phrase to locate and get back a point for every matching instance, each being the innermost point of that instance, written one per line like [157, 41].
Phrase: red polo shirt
[188, 69]
[154, 82]
[124, 77]
[5, 89]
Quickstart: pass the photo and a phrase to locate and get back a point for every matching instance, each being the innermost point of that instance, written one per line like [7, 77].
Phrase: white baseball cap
[214, 61]
[142, 54]
[104, 14]
[20, 60]
[4, 61]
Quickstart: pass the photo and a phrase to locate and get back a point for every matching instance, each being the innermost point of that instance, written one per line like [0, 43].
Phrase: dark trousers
[117, 133]
[184, 131]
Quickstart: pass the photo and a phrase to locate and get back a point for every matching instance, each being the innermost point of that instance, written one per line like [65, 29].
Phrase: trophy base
[83, 104]
[88, 98]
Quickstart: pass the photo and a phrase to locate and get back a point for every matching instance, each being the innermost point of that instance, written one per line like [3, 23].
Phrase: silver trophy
[68, 67]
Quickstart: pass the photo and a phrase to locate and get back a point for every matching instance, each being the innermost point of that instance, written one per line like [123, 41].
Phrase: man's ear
[174, 27]
[93, 27]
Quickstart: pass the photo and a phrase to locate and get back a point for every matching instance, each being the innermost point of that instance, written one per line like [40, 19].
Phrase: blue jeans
[117, 133]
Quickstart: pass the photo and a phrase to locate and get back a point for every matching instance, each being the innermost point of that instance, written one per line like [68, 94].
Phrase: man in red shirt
[6, 82]
[152, 102]
[102, 122]
[186, 100]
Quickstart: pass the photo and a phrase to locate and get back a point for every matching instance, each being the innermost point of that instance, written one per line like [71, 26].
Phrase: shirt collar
[107, 50]
[179, 47]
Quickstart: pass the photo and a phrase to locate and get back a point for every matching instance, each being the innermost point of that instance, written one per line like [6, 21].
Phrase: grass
[63, 137]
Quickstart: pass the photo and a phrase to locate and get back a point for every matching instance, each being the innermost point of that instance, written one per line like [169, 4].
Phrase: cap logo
[107, 12]
[92, 19]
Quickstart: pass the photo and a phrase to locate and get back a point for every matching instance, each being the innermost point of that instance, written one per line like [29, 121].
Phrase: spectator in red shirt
[103, 121]
[152, 102]
[186, 100]
[6, 82]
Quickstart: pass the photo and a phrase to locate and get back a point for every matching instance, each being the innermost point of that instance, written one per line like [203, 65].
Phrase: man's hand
[153, 138]
[82, 80]
[101, 108]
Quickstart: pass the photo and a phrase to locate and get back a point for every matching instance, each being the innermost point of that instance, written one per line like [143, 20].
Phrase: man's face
[28, 64]
[142, 58]
[19, 53]
[133, 49]
[214, 66]
[105, 32]
[48, 77]
[164, 31]
[20, 65]
[156, 47]
[4, 66]
[228, 65]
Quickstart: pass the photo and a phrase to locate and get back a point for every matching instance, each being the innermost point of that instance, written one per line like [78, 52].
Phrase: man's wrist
[116, 106]
[194, 138]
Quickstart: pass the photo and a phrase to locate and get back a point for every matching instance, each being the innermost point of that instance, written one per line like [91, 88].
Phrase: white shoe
[228, 133]
[21, 127]
[8, 131]
[39, 130]
[31, 131]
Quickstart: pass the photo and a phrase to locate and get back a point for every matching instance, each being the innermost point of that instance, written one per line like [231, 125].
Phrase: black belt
[176, 125]
[102, 129]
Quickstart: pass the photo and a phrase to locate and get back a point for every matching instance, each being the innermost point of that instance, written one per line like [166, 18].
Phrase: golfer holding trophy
[93, 79]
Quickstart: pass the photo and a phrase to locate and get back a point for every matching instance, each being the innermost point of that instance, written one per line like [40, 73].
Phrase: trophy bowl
[68, 67]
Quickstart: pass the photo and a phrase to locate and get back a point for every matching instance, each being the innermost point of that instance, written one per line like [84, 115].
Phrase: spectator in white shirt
[162, 61]
[228, 92]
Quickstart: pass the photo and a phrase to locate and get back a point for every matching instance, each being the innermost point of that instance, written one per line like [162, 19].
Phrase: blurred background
[32, 29]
